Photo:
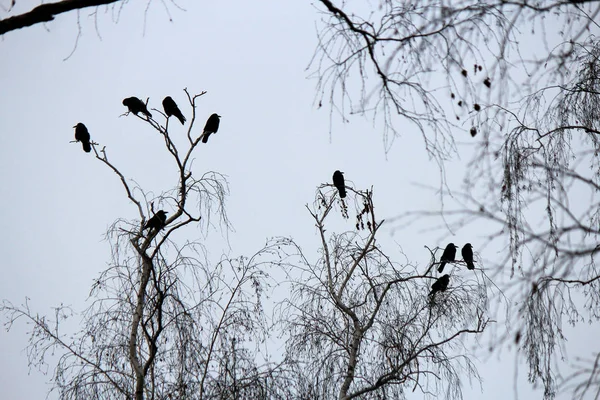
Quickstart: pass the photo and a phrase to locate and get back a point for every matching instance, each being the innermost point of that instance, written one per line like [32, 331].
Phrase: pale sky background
[273, 144]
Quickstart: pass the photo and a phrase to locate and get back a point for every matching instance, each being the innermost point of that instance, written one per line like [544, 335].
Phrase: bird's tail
[470, 265]
[87, 147]
[205, 136]
[441, 267]
[342, 192]
[181, 118]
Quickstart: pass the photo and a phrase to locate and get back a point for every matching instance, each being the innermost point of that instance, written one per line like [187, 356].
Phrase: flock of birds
[449, 254]
[137, 106]
[159, 219]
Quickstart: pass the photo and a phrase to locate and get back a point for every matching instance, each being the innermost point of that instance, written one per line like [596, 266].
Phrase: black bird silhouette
[448, 255]
[136, 106]
[338, 182]
[82, 135]
[157, 221]
[440, 285]
[171, 109]
[467, 255]
[212, 126]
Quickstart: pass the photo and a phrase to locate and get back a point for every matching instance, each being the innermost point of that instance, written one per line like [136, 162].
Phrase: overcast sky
[274, 145]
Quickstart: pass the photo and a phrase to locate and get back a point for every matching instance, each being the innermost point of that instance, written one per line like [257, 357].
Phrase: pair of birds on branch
[449, 255]
[136, 106]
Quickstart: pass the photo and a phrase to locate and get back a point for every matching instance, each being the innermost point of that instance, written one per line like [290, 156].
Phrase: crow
[440, 285]
[447, 256]
[157, 221]
[467, 255]
[212, 126]
[171, 109]
[136, 106]
[338, 182]
[82, 135]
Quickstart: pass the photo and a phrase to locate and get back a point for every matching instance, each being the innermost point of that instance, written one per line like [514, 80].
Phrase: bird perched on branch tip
[82, 135]
[448, 255]
[171, 109]
[338, 182]
[212, 126]
[467, 255]
[136, 106]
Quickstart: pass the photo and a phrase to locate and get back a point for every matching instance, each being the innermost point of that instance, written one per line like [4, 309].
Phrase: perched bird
[440, 285]
[467, 255]
[82, 135]
[136, 106]
[157, 221]
[212, 126]
[338, 182]
[447, 256]
[171, 109]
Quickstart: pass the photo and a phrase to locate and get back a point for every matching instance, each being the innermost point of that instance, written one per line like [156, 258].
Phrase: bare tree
[362, 325]
[522, 78]
[163, 322]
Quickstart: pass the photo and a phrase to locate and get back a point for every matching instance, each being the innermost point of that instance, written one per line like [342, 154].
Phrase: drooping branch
[46, 13]
[355, 306]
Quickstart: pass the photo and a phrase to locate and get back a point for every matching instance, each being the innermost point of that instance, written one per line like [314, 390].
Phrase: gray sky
[273, 144]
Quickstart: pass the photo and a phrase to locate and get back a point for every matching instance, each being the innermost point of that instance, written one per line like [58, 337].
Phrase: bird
[82, 135]
[338, 182]
[467, 255]
[447, 256]
[136, 106]
[171, 109]
[212, 126]
[158, 221]
[440, 285]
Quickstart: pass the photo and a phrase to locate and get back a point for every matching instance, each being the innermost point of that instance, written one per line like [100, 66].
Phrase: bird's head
[468, 245]
[78, 125]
